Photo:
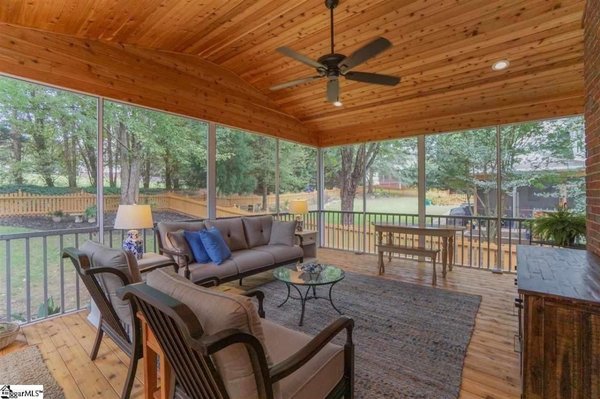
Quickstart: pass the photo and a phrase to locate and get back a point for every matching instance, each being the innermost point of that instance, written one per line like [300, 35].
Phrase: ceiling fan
[333, 65]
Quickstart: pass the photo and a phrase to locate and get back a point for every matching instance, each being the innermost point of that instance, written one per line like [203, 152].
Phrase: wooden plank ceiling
[442, 49]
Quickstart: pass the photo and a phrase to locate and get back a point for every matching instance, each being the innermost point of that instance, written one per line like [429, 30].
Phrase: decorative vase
[134, 244]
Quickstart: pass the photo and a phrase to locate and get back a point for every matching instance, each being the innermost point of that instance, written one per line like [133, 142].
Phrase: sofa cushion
[232, 231]
[283, 233]
[313, 380]
[249, 259]
[101, 256]
[194, 242]
[281, 253]
[215, 246]
[258, 230]
[177, 241]
[201, 271]
[164, 227]
[217, 311]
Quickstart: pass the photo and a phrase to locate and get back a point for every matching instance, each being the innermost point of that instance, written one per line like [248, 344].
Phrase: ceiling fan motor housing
[331, 62]
[331, 4]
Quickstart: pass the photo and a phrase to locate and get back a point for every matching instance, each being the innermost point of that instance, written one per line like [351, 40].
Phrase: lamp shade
[134, 217]
[299, 207]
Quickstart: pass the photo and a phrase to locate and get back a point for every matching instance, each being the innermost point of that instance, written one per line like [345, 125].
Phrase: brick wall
[592, 121]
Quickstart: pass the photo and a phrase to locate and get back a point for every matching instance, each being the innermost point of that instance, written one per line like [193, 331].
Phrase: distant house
[524, 201]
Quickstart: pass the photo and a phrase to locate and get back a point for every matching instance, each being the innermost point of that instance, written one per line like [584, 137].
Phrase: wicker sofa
[248, 238]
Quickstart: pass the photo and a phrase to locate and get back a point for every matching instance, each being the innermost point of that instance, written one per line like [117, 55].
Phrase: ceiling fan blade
[374, 78]
[299, 57]
[333, 90]
[364, 53]
[294, 83]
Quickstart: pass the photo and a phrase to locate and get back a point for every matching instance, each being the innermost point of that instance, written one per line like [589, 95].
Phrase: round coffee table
[330, 275]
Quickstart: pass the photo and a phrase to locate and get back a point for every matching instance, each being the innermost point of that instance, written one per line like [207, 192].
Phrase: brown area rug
[410, 340]
[26, 367]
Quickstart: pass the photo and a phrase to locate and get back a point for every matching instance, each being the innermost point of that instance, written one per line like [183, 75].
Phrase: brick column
[592, 121]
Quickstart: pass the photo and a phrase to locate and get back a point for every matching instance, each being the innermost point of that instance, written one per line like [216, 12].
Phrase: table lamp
[133, 217]
[298, 208]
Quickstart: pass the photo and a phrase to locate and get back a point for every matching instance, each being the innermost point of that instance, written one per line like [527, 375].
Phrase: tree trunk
[110, 158]
[146, 179]
[354, 163]
[69, 156]
[17, 153]
[370, 178]
[265, 196]
[130, 165]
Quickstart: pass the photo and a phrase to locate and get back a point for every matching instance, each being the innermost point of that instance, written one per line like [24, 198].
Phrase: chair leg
[130, 376]
[241, 283]
[97, 341]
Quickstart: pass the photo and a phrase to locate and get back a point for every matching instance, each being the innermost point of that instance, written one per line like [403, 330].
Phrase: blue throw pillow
[215, 246]
[195, 243]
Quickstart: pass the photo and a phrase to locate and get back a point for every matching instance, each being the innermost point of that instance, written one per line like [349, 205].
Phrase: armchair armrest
[302, 356]
[179, 254]
[150, 268]
[260, 296]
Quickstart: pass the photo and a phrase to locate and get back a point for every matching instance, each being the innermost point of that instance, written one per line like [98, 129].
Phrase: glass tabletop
[328, 275]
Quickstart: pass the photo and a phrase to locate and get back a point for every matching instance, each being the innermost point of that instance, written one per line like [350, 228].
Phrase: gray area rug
[410, 340]
[26, 367]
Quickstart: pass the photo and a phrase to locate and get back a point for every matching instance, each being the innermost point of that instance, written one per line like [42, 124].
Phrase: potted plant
[57, 216]
[561, 227]
[90, 213]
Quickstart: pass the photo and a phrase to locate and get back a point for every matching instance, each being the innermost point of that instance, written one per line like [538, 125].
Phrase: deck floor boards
[491, 368]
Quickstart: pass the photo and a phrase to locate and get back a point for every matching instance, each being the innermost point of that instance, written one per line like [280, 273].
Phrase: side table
[307, 240]
[154, 355]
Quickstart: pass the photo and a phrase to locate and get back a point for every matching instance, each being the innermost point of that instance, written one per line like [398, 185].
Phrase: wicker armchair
[192, 352]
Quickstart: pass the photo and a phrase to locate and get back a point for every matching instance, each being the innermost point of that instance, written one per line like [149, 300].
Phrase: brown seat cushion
[201, 271]
[316, 378]
[217, 311]
[249, 259]
[232, 231]
[281, 253]
[258, 230]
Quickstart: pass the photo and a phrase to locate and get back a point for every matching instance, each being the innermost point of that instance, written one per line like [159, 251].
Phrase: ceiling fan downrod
[331, 4]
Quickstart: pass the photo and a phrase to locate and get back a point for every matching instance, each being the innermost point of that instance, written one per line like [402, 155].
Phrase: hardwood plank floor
[491, 369]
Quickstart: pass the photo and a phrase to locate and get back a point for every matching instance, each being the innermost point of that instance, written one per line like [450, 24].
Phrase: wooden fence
[25, 204]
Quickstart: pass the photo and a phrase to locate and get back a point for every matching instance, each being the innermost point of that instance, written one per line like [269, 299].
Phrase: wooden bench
[401, 249]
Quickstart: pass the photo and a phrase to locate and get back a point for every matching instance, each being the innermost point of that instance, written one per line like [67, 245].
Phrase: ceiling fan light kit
[333, 66]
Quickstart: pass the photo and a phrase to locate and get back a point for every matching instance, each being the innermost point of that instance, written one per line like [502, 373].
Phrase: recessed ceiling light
[500, 65]
[337, 103]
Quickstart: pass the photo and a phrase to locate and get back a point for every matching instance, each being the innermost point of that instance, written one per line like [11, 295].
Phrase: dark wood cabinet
[560, 323]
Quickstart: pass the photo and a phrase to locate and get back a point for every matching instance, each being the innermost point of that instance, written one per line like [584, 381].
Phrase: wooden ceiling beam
[145, 78]
[488, 118]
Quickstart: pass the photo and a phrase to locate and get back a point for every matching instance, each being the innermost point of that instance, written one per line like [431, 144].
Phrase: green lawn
[407, 205]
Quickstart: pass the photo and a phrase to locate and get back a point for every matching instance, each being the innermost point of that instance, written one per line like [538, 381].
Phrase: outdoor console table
[447, 233]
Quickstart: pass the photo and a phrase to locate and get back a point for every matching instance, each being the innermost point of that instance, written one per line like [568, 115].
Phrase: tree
[345, 167]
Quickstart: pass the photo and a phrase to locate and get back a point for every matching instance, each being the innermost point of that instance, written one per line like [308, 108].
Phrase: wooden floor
[491, 368]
